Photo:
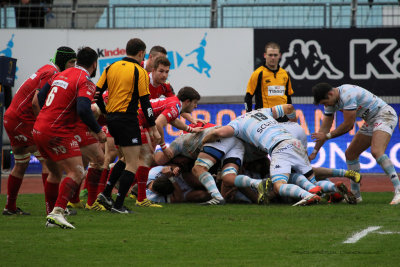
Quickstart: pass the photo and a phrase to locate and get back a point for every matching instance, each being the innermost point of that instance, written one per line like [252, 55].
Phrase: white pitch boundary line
[387, 233]
[357, 236]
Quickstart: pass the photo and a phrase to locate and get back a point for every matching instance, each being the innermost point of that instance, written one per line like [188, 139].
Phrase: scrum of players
[78, 128]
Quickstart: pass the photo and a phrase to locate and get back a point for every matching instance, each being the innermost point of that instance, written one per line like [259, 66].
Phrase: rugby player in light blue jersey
[229, 151]
[260, 129]
[380, 122]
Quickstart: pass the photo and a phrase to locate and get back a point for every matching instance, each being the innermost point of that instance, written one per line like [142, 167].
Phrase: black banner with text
[369, 58]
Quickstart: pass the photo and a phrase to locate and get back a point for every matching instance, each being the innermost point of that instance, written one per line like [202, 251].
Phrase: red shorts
[19, 132]
[85, 138]
[56, 148]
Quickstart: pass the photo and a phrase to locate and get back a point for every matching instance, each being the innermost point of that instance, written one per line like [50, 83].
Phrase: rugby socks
[68, 188]
[115, 174]
[338, 172]
[103, 180]
[142, 174]
[44, 178]
[92, 177]
[125, 182]
[208, 181]
[388, 167]
[301, 180]
[327, 186]
[75, 198]
[13, 185]
[50, 195]
[355, 166]
[292, 190]
[246, 181]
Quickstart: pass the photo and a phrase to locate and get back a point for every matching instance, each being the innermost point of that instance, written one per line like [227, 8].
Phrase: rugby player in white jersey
[229, 151]
[380, 122]
[260, 129]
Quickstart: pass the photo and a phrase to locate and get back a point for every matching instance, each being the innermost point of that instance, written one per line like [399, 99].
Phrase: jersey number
[259, 116]
[51, 96]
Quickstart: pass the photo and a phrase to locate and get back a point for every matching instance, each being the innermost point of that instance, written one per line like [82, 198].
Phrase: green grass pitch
[192, 235]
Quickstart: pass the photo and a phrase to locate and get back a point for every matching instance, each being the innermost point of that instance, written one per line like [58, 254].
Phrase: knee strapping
[229, 170]
[25, 158]
[206, 163]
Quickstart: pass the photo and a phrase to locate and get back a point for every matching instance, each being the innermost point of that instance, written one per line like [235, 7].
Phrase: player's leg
[96, 157]
[110, 154]
[200, 169]
[380, 140]
[287, 155]
[359, 144]
[22, 156]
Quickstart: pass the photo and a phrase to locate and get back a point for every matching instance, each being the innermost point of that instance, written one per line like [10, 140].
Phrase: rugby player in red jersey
[18, 123]
[69, 95]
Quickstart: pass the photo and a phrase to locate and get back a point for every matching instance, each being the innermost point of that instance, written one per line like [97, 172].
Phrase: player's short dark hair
[134, 46]
[86, 57]
[162, 185]
[320, 92]
[158, 49]
[272, 45]
[188, 92]
[161, 61]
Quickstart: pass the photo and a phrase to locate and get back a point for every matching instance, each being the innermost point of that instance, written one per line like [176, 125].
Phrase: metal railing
[274, 15]
[271, 15]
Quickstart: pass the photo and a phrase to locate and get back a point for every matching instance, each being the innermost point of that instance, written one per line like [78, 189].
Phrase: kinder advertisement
[213, 61]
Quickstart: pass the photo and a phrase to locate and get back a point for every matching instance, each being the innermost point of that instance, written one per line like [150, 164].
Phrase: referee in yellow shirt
[269, 83]
[127, 84]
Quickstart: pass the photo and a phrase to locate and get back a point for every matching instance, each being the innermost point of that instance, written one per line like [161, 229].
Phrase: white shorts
[288, 155]
[230, 147]
[385, 120]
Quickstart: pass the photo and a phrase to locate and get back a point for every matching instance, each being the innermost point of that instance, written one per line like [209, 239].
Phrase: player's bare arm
[222, 132]
[327, 122]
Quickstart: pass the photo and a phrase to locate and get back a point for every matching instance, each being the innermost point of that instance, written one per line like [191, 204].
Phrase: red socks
[92, 178]
[141, 176]
[50, 195]
[67, 190]
[13, 185]
[44, 178]
[103, 180]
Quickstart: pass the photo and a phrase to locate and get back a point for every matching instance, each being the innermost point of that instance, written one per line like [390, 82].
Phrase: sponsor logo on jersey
[265, 125]
[60, 83]
[276, 90]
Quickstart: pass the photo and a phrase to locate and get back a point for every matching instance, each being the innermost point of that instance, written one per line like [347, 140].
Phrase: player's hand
[197, 129]
[154, 135]
[319, 136]
[168, 153]
[210, 137]
[176, 171]
[101, 136]
[200, 120]
[312, 156]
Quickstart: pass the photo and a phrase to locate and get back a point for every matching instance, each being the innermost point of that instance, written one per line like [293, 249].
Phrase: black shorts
[124, 128]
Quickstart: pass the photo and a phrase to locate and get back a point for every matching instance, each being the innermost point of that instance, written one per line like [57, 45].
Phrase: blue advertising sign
[331, 155]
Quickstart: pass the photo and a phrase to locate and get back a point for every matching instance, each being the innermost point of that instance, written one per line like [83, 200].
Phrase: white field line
[387, 233]
[357, 236]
